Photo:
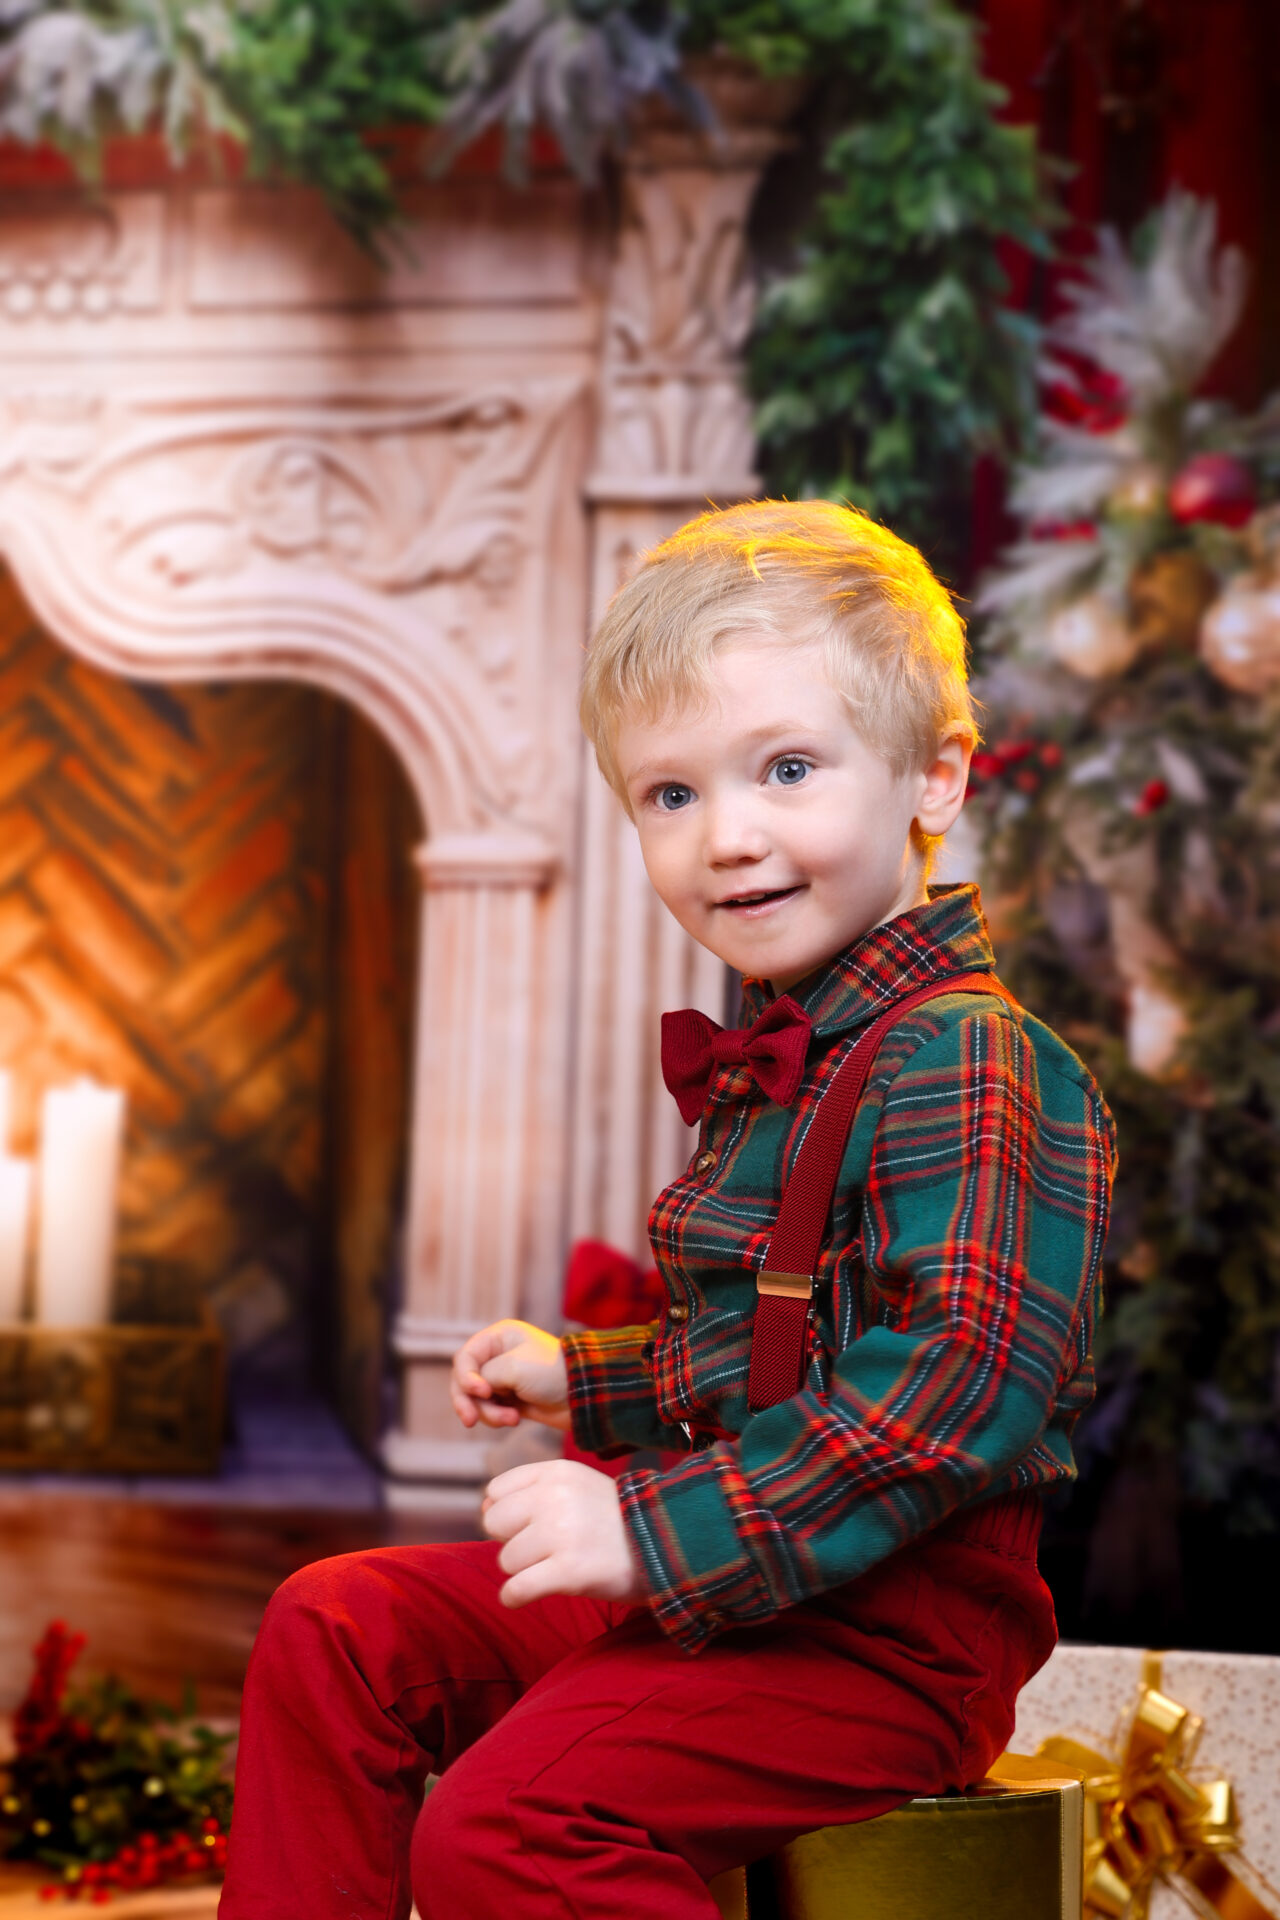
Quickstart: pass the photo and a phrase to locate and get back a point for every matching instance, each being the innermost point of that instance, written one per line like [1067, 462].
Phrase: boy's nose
[734, 836]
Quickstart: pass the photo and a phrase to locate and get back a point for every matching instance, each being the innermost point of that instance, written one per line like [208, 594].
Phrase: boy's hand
[511, 1372]
[564, 1533]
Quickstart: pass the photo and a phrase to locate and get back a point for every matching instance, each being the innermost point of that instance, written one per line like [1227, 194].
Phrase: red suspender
[785, 1284]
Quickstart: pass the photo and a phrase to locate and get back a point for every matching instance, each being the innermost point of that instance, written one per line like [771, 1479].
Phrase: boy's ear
[943, 784]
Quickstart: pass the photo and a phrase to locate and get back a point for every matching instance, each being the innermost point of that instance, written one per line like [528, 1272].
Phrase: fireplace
[205, 900]
[255, 490]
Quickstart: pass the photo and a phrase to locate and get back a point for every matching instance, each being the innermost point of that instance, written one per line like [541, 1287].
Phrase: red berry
[211, 1825]
[1026, 779]
[1215, 487]
[99, 1896]
[1064, 530]
[1051, 754]
[1009, 752]
[1152, 798]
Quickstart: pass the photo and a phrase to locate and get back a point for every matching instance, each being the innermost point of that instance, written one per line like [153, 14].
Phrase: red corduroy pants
[590, 1767]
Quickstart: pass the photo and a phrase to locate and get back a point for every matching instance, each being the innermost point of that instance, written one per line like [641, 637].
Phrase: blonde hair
[808, 570]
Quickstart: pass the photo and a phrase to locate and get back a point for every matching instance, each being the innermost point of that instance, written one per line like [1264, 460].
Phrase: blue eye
[790, 771]
[671, 798]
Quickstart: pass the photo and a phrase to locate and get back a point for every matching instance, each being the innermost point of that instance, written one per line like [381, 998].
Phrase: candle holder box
[122, 1398]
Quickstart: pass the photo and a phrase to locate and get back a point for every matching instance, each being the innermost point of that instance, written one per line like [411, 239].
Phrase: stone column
[469, 1221]
[675, 437]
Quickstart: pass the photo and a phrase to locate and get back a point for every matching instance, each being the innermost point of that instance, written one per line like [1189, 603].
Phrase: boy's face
[769, 828]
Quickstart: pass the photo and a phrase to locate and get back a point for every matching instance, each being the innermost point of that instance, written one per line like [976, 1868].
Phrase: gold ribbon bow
[1146, 1820]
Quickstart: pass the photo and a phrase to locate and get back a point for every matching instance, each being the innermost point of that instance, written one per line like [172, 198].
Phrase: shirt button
[678, 1314]
[646, 1356]
[705, 1162]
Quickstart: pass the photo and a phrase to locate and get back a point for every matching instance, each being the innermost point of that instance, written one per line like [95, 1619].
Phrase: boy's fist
[564, 1533]
[510, 1372]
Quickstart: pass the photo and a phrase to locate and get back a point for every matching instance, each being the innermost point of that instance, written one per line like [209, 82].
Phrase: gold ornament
[1240, 637]
[1092, 639]
[1140, 489]
[1146, 1822]
[1168, 595]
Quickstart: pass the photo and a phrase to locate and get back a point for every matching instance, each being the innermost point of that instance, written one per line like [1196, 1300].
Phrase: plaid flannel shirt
[955, 1306]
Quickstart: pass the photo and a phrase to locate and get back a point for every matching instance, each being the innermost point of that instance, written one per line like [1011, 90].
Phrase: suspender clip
[789, 1286]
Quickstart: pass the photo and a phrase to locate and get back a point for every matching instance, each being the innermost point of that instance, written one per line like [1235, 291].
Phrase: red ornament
[1096, 401]
[1215, 487]
[1153, 796]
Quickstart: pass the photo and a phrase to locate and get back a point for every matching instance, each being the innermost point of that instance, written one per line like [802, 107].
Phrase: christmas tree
[1128, 805]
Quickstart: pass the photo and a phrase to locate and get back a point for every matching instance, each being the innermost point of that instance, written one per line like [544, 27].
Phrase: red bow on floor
[774, 1048]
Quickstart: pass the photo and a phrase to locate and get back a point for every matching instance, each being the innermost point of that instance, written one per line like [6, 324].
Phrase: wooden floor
[164, 1592]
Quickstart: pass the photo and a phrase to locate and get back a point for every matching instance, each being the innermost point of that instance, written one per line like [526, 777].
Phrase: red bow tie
[774, 1048]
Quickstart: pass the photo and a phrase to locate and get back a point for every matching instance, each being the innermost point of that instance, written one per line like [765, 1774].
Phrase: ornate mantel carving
[680, 305]
[395, 549]
[73, 258]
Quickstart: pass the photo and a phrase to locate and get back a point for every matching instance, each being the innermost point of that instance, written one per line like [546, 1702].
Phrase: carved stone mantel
[231, 447]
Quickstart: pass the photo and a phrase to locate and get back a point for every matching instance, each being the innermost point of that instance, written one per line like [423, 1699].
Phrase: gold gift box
[123, 1399]
[1010, 1849]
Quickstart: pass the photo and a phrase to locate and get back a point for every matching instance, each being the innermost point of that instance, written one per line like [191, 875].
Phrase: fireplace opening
[207, 898]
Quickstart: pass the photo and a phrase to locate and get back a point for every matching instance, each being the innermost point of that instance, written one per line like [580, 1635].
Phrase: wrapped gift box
[1089, 1692]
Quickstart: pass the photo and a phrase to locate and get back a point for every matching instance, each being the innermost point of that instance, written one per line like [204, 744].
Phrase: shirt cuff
[699, 1576]
[612, 1403]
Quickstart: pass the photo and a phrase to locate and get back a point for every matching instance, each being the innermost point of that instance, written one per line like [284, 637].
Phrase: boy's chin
[790, 962]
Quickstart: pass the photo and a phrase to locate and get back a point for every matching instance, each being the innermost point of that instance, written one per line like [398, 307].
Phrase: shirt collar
[946, 935]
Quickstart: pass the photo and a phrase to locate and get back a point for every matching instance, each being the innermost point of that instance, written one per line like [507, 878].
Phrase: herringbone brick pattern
[164, 909]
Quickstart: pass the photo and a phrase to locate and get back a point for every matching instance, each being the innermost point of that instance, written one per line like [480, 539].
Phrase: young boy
[778, 698]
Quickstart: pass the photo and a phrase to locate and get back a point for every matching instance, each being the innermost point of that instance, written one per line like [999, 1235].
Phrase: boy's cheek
[669, 877]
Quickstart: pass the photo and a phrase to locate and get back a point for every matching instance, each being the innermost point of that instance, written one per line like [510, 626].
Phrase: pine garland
[886, 359]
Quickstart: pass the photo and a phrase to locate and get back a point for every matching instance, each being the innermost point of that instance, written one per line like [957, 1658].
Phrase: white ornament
[1092, 639]
[1155, 1028]
[1240, 636]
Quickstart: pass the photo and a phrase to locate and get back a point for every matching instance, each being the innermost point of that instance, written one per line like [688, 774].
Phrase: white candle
[81, 1129]
[15, 1212]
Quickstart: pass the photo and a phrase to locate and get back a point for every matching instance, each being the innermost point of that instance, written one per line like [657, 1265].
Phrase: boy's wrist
[611, 1396]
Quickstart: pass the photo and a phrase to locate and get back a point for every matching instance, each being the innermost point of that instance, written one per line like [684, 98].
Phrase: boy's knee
[322, 1602]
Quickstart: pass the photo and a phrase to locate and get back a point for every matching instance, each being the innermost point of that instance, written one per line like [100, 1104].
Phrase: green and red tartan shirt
[957, 1292]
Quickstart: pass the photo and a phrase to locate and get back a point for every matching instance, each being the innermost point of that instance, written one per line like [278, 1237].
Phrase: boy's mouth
[750, 906]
